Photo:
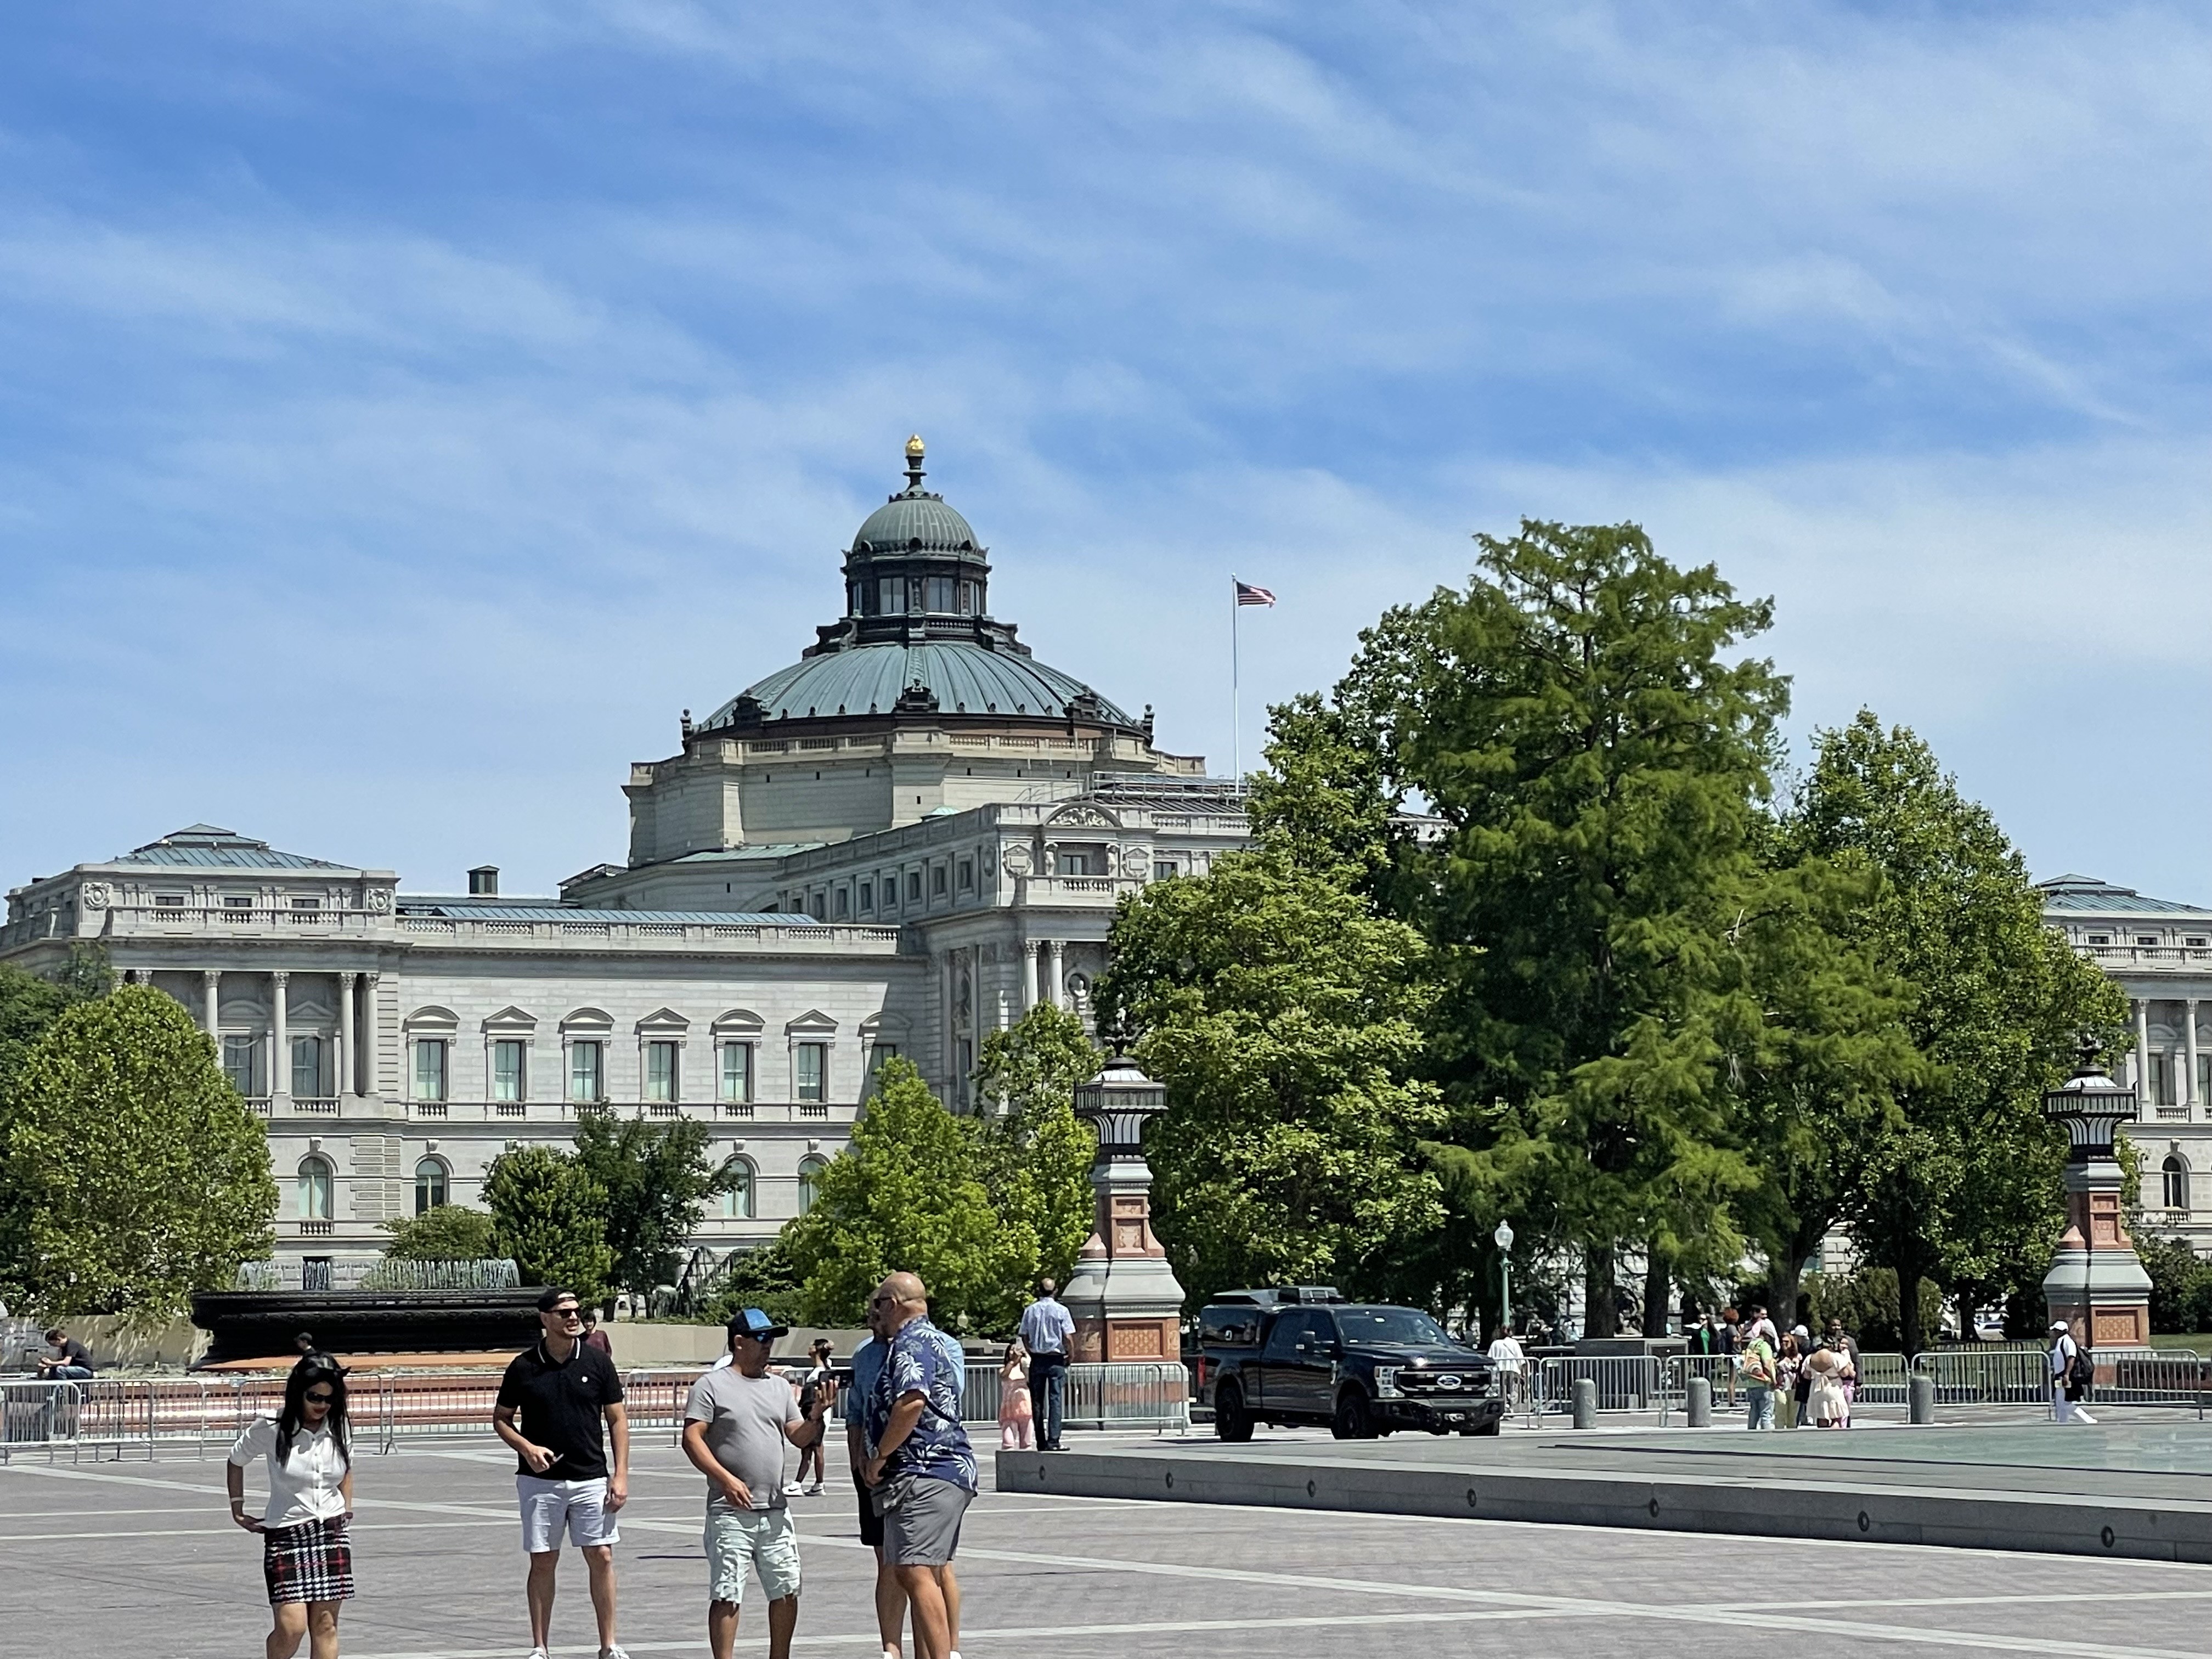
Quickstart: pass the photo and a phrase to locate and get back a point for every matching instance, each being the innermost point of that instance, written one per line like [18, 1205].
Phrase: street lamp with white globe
[1503, 1239]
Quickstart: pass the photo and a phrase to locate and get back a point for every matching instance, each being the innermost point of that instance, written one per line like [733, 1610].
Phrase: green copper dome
[948, 678]
[916, 521]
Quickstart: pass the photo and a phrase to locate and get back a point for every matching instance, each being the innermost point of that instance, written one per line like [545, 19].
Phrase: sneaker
[815, 1491]
[792, 1489]
[612, 1653]
[539, 1653]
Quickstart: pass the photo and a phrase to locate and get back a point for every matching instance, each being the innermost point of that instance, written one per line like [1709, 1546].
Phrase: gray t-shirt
[746, 1418]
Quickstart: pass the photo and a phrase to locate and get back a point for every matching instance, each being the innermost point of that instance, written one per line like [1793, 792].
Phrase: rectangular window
[237, 907]
[737, 1083]
[307, 904]
[2195, 941]
[879, 1054]
[892, 592]
[584, 1075]
[1163, 868]
[937, 881]
[660, 1072]
[2161, 1079]
[2203, 1078]
[842, 904]
[238, 1063]
[2101, 938]
[967, 875]
[306, 1068]
[810, 1070]
[430, 1068]
[914, 887]
[2147, 939]
[1075, 864]
[506, 1074]
[939, 589]
[168, 901]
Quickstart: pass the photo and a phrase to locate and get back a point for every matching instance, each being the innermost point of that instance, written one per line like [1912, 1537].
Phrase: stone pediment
[737, 1022]
[812, 1023]
[666, 1021]
[1082, 814]
[433, 1018]
[511, 1018]
[588, 1019]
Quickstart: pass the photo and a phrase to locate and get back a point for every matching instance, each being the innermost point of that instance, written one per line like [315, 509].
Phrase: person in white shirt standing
[2066, 1387]
[1047, 1330]
[1505, 1355]
[305, 1555]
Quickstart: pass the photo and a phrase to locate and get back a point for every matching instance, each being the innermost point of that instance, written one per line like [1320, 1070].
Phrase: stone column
[211, 985]
[1056, 989]
[2188, 1077]
[372, 1042]
[2142, 1046]
[342, 1067]
[1030, 949]
[280, 1041]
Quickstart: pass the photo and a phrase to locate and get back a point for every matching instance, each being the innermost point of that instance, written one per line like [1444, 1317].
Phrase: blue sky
[406, 409]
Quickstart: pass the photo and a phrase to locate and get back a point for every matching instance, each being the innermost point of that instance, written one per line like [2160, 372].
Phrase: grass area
[2192, 1342]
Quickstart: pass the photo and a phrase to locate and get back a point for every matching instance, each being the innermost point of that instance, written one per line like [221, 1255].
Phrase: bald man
[922, 1474]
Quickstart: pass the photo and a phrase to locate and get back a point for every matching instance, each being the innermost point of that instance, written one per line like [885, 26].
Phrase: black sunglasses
[319, 1396]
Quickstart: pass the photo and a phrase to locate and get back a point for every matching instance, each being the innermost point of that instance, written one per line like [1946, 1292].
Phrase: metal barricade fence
[2152, 1377]
[1990, 1377]
[38, 1416]
[1129, 1394]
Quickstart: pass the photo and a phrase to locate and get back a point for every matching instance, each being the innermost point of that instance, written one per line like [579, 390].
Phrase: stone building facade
[2159, 953]
[896, 845]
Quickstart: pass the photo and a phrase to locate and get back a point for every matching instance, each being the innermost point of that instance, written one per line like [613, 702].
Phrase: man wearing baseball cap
[735, 1429]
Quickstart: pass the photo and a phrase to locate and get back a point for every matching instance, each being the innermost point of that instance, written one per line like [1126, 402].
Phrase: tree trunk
[1657, 1286]
[1601, 1311]
[1914, 1334]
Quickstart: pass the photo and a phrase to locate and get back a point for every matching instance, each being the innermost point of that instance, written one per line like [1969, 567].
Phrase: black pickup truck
[1304, 1354]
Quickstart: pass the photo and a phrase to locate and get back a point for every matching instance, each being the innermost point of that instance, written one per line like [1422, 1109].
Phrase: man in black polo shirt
[564, 1392]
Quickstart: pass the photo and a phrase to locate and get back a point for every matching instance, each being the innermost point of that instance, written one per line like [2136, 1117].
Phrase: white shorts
[549, 1505]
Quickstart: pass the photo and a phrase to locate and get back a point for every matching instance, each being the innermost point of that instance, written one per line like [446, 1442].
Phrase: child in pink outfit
[1017, 1421]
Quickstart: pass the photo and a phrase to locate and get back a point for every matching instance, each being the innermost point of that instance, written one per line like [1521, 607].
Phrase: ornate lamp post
[1126, 1303]
[1503, 1239]
[2096, 1276]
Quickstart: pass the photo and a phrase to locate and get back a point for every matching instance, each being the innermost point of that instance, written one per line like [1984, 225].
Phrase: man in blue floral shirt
[923, 1473]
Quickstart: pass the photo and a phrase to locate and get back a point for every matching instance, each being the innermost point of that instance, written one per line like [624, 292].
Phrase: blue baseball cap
[752, 1322]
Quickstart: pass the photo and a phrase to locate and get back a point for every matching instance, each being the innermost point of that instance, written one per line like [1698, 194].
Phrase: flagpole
[1236, 701]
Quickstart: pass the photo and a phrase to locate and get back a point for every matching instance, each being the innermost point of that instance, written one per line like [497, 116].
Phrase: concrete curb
[1756, 1506]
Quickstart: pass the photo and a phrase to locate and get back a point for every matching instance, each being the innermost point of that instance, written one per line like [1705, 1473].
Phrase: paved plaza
[136, 1557]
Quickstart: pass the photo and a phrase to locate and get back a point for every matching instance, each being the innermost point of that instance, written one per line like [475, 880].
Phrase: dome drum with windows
[917, 640]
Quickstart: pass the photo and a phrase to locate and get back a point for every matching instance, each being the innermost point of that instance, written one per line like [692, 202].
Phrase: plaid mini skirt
[310, 1562]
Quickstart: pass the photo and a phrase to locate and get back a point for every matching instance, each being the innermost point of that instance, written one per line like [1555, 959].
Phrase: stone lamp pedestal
[1123, 1295]
[2096, 1278]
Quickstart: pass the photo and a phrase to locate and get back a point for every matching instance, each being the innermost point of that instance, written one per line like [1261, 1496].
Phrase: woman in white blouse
[305, 1555]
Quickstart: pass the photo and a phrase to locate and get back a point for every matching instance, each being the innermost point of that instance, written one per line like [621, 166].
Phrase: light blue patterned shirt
[924, 1360]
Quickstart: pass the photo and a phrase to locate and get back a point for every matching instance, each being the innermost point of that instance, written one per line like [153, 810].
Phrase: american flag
[1248, 594]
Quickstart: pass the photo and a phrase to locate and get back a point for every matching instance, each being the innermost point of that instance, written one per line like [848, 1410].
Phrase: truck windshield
[1401, 1326]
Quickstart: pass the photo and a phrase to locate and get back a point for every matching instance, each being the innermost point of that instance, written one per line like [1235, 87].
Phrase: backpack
[2080, 1373]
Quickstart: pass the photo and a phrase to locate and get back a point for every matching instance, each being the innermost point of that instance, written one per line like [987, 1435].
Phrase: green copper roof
[207, 846]
[2094, 896]
[915, 521]
[963, 679]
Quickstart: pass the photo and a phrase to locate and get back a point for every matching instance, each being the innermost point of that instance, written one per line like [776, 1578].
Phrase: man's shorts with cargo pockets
[549, 1507]
[763, 1540]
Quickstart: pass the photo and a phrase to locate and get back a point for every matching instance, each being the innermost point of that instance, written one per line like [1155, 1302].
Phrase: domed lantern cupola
[915, 567]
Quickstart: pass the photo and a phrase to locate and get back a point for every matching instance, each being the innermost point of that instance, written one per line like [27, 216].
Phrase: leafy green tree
[1032, 1152]
[656, 1178]
[548, 1214]
[28, 1003]
[1283, 1014]
[763, 1278]
[906, 1194]
[1963, 1188]
[135, 1175]
[443, 1232]
[1582, 722]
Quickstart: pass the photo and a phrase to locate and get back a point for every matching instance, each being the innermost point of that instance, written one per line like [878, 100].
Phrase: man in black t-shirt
[565, 1394]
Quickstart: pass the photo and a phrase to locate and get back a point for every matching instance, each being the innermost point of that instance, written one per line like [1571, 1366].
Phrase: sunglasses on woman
[319, 1396]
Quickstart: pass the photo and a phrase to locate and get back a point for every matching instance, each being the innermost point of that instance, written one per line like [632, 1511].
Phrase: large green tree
[657, 1177]
[549, 1214]
[1963, 1188]
[1582, 721]
[1284, 1014]
[1033, 1154]
[906, 1194]
[134, 1173]
[30, 1003]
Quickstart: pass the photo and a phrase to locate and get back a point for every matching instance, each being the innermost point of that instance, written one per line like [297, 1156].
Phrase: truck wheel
[1353, 1421]
[1231, 1420]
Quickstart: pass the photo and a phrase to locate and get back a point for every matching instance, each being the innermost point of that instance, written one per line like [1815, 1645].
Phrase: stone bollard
[1921, 1392]
[1585, 1402]
[1698, 1402]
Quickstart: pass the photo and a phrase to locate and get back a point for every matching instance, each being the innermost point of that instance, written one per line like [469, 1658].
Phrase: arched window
[737, 1201]
[810, 1181]
[429, 1184]
[314, 1189]
[2176, 1183]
